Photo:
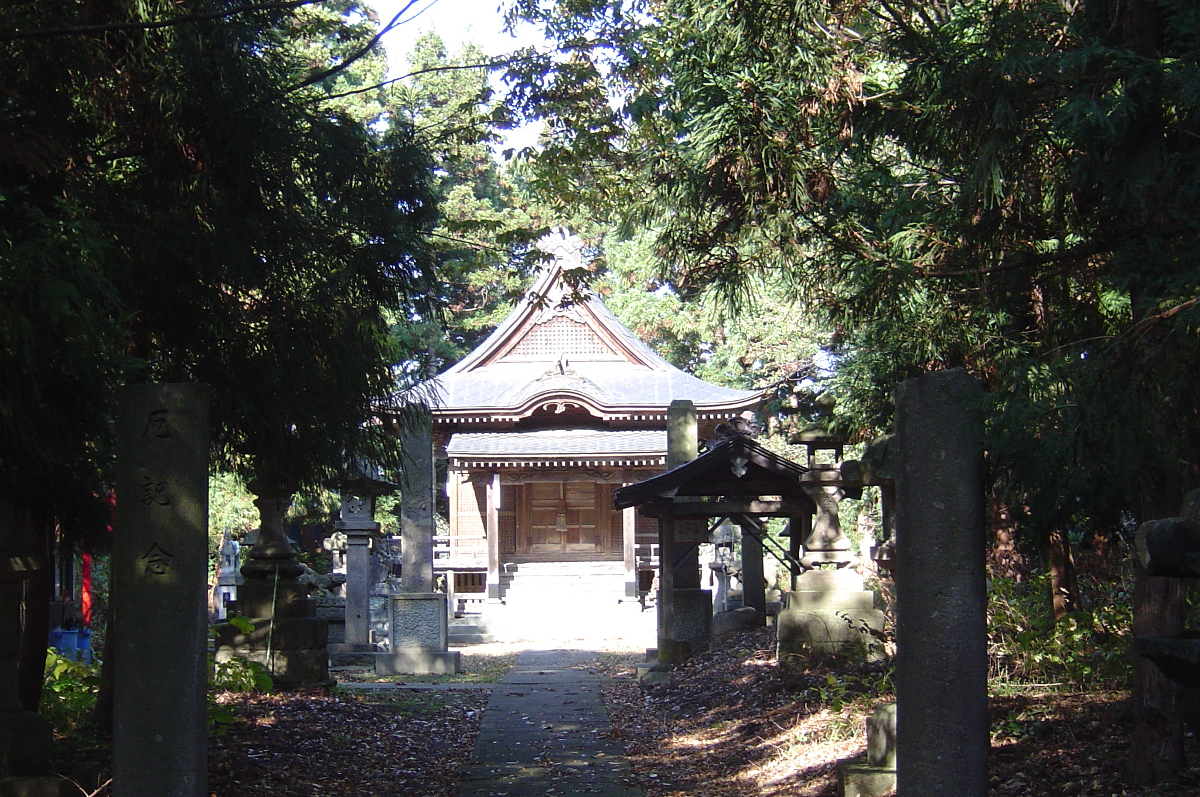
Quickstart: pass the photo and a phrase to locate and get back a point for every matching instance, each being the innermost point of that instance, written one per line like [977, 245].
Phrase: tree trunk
[1156, 749]
[102, 713]
[1064, 585]
[1004, 558]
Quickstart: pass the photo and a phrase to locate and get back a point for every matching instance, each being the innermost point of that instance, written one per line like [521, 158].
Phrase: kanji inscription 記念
[155, 493]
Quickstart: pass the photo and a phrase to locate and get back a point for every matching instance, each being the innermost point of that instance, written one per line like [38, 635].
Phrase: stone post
[418, 617]
[941, 672]
[682, 447]
[358, 524]
[416, 505]
[685, 610]
[26, 738]
[159, 592]
[754, 587]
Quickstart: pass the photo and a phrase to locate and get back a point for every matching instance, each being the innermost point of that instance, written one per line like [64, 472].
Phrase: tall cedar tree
[1007, 187]
[212, 219]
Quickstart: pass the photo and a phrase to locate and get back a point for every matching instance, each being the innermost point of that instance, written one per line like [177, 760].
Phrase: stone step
[614, 586]
[539, 568]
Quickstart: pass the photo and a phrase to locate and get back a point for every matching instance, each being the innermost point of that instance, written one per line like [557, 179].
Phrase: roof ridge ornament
[564, 246]
[742, 425]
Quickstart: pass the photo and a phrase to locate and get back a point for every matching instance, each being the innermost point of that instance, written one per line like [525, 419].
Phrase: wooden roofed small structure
[736, 479]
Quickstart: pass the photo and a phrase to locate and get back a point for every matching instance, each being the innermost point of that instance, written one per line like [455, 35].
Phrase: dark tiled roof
[636, 380]
[609, 384]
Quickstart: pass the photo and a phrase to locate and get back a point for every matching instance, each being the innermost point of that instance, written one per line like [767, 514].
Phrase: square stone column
[941, 594]
[416, 504]
[159, 592]
[359, 534]
[418, 617]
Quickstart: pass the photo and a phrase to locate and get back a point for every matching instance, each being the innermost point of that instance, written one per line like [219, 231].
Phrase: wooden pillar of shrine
[629, 549]
[492, 529]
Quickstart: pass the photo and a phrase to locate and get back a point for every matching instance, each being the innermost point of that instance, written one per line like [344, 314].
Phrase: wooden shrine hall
[561, 405]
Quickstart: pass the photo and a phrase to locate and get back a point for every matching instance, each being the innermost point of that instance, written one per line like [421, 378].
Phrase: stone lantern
[359, 494]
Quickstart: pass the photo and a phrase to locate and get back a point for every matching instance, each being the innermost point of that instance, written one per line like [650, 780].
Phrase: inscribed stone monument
[941, 634]
[159, 592]
[418, 616]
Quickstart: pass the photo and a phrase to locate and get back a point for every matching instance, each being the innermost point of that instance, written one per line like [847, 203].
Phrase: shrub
[1088, 647]
[69, 694]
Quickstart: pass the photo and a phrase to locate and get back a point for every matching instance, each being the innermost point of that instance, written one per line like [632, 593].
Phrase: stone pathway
[546, 732]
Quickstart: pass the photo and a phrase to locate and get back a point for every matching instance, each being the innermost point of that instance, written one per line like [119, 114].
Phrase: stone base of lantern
[857, 778]
[71, 781]
[350, 654]
[829, 612]
[414, 661]
[288, 638]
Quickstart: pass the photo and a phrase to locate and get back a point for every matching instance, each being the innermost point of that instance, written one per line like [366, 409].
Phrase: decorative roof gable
[563, 349]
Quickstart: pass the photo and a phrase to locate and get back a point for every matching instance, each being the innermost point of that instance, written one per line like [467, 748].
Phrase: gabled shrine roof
[562, 350]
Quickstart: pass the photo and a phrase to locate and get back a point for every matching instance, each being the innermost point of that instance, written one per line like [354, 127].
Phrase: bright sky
[457, 22]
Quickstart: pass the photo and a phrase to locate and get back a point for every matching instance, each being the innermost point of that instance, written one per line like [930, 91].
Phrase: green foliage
[234, 675]
[69, 694]
[148, 237]
[1010, 189]
[484, 226]
[1085, 648]
[240, 675]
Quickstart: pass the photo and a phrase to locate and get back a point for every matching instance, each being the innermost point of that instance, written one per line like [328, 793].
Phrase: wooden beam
[713, 509]
[629, 549]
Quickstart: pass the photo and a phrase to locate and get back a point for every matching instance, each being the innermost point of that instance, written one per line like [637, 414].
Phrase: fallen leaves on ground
[731, 722]
[309, 743]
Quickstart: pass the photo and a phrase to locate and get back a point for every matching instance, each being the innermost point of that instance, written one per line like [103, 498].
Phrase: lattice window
[646, 530]
[508, 532]
[557, 336]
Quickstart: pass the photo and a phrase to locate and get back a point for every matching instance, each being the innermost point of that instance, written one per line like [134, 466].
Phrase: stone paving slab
[545, 733]
[383, 687]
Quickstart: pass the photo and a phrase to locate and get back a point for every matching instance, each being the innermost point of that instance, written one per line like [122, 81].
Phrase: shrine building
[561, 405]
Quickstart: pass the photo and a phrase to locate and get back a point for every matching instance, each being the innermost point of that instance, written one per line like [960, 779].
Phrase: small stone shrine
[873, 775]
[735, 479]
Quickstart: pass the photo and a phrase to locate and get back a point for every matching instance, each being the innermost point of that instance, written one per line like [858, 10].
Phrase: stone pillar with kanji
[418, 616]
[159, 601]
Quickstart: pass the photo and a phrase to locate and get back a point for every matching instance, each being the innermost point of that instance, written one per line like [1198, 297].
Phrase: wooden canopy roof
[736, 476]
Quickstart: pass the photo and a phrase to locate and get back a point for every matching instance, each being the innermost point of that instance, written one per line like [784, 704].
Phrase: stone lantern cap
[360, 485]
